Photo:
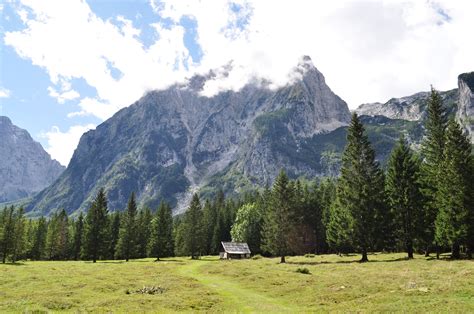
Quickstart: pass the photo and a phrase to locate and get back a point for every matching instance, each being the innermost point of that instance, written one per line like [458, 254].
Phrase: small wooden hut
[234, 250]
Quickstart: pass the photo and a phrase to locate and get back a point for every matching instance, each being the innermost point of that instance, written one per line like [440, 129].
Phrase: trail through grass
[235, 296]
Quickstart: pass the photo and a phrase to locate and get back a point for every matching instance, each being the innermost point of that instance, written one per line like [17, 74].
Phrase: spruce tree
[39, 243]
[360, 190]
[78, 235]
[433, 154]
[8, 236]
[193, 229]
[455, 190]
[143, 231]
[95, 231]
[126, 245]
[19, 240]
[161, 242]
[339, 228]
[404, 194]
[114, 230]
[278, 219]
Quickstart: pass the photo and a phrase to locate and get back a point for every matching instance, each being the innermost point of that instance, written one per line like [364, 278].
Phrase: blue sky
[68, 65]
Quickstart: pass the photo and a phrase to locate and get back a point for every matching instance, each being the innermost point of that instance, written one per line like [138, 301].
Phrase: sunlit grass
[387, 283]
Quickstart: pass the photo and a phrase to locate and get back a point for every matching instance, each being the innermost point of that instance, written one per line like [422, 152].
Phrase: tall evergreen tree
[455, 187]
[19, 239]
[143, 231]
[95, 231]
[404, 194]
[8, 236]
[77, 238]
[161, 242]
[39, 243]
[114, 230]
[126, 245]
[433, 154]
[361, 188]
[278, 219]
[193, 229]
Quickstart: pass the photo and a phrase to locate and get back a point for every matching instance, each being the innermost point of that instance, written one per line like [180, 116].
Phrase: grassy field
[387, 283]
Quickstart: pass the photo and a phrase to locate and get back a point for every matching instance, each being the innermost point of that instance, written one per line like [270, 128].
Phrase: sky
[68, 65]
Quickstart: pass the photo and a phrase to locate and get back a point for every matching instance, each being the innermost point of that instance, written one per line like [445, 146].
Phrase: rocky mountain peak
[25, 168]
[465, 113]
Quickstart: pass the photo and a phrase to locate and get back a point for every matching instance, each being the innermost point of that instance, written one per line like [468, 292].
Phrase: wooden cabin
[234, 250]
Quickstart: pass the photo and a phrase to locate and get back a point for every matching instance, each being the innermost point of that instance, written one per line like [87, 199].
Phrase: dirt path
[235, 297]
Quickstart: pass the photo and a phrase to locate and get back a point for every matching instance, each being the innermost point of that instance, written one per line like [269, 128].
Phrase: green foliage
[127, 242]
[77, 237]
[278, 220]
[404, 194]
[193, 229]
[57, 238]
[161, 241]
[360, 192]
[247, 226]
[455, 190]
[96, 235]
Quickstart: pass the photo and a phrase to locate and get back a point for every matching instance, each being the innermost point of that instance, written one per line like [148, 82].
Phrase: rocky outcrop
[410, 108]
[465, 112]
[25, 167]
[176, 141]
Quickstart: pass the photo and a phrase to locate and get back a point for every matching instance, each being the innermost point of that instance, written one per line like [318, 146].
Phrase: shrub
[257, 256]
[303, 270]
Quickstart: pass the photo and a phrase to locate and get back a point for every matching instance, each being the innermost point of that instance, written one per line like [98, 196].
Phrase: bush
[303, 270]
[257, 256]
[310, 255]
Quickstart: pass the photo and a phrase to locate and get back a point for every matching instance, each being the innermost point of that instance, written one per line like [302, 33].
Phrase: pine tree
[7, 238]
[126, 245]
[361, 189]
[19, 240]
[161, 242]
[95, 231]
[143, 231]
[404, 194]
[455, 190]
[78, 236]
[114, 230]
[278, 223]
[433, 154]
[210, 221]
[339, 228]
[193, 229]
[63, 235]
[39, 243]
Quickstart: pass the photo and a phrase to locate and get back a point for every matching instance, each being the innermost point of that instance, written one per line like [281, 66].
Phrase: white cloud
[61, 145]
[368, 50]
[66, 93]
[4, 93]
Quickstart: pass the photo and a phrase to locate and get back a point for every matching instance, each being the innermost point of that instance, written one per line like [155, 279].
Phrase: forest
[421, 202]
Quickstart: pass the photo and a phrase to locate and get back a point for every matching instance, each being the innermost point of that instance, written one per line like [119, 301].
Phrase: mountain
[458, 102]
[173, 142]
[465, 113]
[25, 167]
[410, 108]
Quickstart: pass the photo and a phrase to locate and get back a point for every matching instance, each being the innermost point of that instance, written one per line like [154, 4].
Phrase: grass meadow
[388, 283]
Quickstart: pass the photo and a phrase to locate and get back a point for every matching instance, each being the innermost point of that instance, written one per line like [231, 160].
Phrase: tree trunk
[410, 251]
[455, 253]
[126, 259]
[469, 252]
[427, 251]
[364, 256]
[4, 259]
[438, 251]
[282, 259]
[157, 259]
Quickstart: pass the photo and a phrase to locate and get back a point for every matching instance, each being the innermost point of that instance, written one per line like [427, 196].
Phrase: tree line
[422, 202]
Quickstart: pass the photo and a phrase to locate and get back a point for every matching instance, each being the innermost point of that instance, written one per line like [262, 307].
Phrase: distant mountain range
[25, 167]
[174, 142]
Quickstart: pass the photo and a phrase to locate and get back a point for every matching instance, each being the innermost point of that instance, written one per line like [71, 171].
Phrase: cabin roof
[236, 247]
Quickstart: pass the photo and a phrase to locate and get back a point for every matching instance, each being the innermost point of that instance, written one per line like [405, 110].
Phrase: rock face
[410, 108]
[25, 167]
[465, 113]
[173, 142]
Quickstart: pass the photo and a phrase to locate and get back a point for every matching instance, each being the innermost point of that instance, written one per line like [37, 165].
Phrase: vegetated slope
[25, 167]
